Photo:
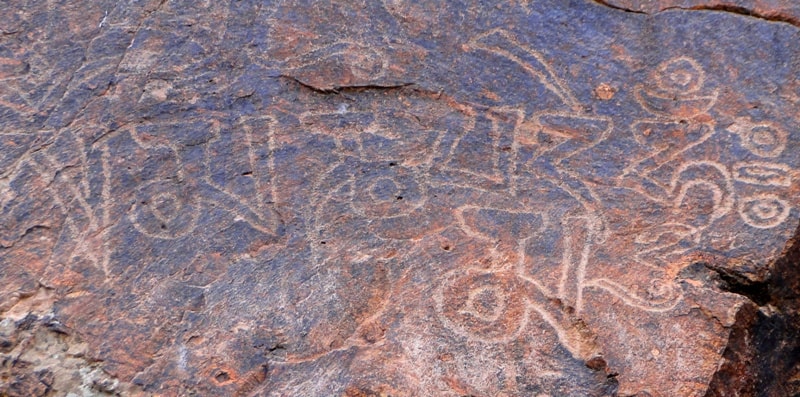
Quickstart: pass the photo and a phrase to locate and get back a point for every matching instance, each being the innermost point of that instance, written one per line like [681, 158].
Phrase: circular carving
[483, 305]
[387, 190]
[165, 210]
[680, 76]
[764, 140]
[764, 211]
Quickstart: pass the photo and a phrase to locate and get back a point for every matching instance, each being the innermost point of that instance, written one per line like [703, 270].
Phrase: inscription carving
[505, 191]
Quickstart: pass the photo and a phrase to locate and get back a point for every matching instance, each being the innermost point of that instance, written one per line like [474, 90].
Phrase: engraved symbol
[503, 43]
[491, 304]
[164, 209]
[567, 135]
[765, 174]
[387, 191]
[560, 134]
[662, 246]
[674, 101]
[485, 303]
[680, 75]
[762, 139]
[661, 295]
[700, 193]
[478, 151]
[482, 303]
[246, 181]
[764, 211]
[667, 136]
[691, 180]
[678, 82]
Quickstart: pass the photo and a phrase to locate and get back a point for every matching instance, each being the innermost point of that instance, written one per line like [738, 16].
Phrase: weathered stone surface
[773, 10]
[523, 198]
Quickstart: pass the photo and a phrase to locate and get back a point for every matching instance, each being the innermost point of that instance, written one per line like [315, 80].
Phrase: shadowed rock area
[400, 198]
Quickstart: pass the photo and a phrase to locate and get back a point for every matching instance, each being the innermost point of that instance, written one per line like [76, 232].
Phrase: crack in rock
[762, 357]
[728, 8]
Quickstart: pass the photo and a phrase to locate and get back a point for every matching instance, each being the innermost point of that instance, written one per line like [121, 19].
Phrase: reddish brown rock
[524, 198]
[773, 10]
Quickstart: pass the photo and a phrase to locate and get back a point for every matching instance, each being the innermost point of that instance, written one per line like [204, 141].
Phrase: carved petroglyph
[581, 232]
[763, 173]
[680, 75]
[55, 162]
[667, 139]
[659, 245]
[495, 305]
[385, 192]
[674, 130]
[511, 233]
[660, 250]
[372, 189]
[484, 150]
[696, 193]
[260, 139]
[678, 91]
[762, 139]
[168, 206]
[503, 43]
[249, 188]
[764, 211]
[484, 304]
[684, 79]
[670, 107]
[555, 137]
[559, 134]
[164, 209]
[376, 177]
[703, 175]
[371, 181]
[24, 93]
[664, 296]
[565, 135]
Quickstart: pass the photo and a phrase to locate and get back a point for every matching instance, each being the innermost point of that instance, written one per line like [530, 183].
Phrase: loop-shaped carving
[660, 296]
[762, 173]
[708, 176]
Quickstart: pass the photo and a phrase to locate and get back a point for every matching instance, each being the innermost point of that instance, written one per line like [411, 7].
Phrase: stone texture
[518, 198]
[773, 10]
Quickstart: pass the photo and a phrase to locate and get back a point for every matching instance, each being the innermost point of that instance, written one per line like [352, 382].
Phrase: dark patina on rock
[399, 198]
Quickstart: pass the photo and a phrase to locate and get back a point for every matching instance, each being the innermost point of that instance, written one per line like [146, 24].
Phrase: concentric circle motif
[764, 211]
[387, 190]
[680, 76]
[765, 140]
[484, 305]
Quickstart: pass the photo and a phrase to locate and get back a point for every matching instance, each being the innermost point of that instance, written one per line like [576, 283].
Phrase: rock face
[399, 198]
